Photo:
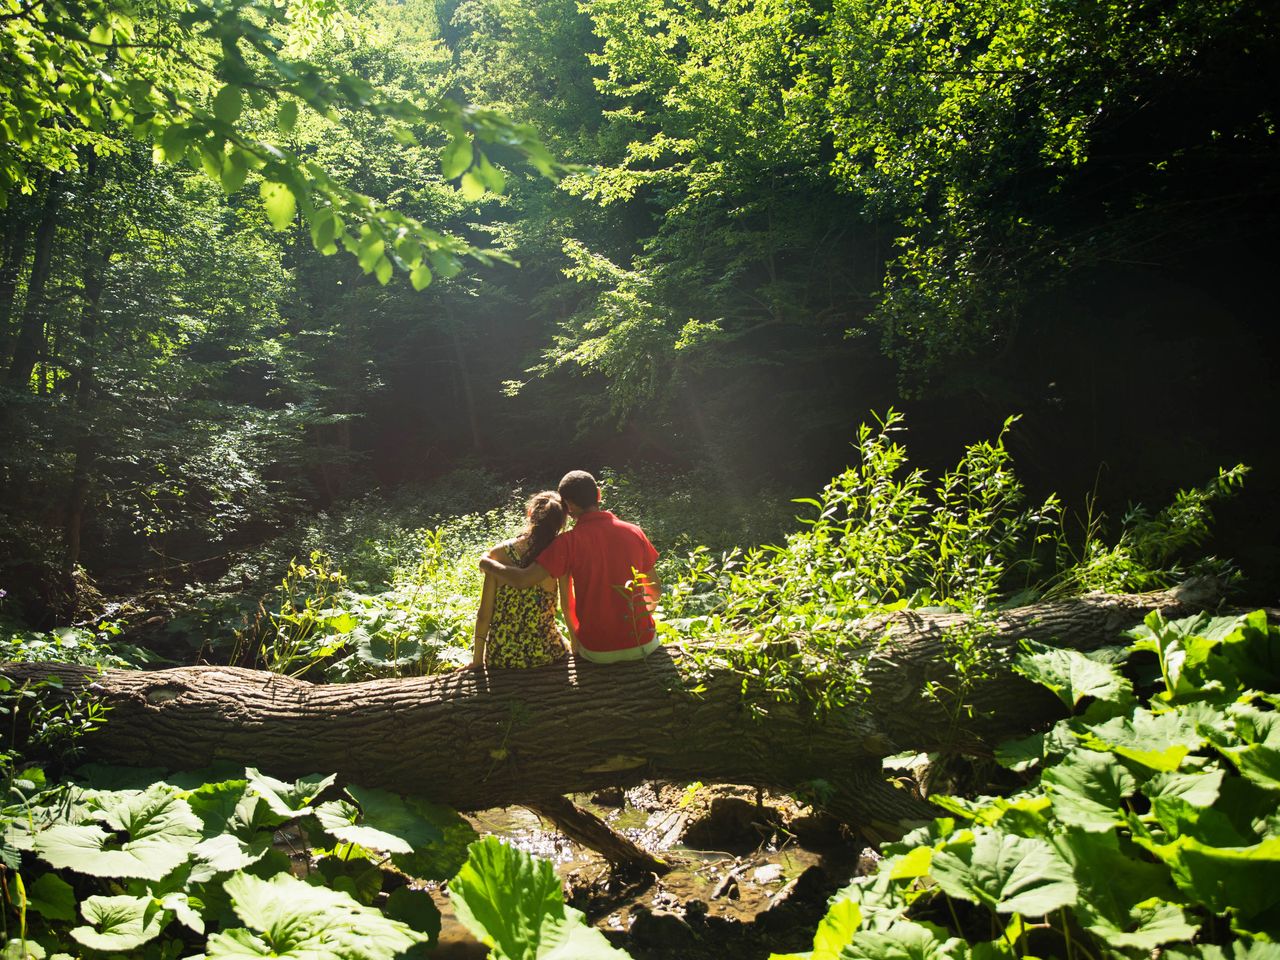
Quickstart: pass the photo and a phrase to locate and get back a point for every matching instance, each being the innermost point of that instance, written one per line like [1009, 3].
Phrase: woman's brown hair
[546, 515]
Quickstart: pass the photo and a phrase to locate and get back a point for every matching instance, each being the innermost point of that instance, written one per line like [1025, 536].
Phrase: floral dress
[523, 631]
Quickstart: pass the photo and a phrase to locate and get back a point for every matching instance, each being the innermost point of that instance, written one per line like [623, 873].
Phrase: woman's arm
[483, 617]
[565, 585]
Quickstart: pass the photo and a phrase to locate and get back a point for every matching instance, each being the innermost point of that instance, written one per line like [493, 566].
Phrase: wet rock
[660, 931]
[769, 873]
[609, 797]
[819, 831]
[732, 823]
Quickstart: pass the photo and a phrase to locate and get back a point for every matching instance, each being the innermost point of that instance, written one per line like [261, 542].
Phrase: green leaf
[1198, 789]
[1021, 755]
[1071, 675]
[490, 175]
[52, 897]
[287, 117]
[289, 918]
[160, 832]
[441, 859]
[119, 923]
[472, 186]
[1006, 873]
[1116, 884]
[1088, 789]
[905, 940]
[1159, 741]
[234, 170]
[288, 799]
[383, 270]
[228, 103]
[1245, 879]
[280, 203]
[415, 908]
[511, 902]
[420, 276]
[1151, 923]
[456, 157]
[1257, 754]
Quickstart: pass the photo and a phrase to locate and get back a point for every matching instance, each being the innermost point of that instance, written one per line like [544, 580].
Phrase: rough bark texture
[477, 739]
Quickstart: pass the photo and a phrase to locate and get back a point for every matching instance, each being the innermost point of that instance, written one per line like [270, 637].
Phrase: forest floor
[751, 872]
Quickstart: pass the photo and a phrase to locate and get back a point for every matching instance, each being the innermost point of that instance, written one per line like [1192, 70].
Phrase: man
[610, 563]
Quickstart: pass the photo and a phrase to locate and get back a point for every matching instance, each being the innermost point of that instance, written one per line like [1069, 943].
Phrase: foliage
[188, 861]
[881, 540]
[181, 77]
[1147, 823]
[512, 903]
[1148, 553]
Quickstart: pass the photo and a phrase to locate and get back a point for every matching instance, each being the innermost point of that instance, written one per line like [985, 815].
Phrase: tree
[477, 739]
[181, 76]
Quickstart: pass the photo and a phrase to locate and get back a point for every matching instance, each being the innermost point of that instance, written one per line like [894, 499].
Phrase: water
[717, 887]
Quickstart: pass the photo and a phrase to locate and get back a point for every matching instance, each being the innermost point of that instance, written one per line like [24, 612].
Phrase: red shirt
[603, 555]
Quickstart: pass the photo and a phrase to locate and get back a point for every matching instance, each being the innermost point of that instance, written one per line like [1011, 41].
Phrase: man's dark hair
[579, 487]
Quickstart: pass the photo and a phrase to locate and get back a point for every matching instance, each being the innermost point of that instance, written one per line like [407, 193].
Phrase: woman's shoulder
[502, 552]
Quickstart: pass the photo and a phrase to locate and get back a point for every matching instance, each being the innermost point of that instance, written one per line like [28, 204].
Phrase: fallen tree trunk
[484, 738]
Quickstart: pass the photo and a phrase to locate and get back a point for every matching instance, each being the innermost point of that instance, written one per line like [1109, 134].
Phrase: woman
[517, 628]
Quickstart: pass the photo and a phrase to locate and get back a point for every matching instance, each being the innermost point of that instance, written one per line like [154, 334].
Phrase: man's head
[579, 491]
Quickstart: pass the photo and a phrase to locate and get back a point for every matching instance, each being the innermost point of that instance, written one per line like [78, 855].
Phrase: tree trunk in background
[83, 449]
[26, 350]
[478, 739]
[13, 257]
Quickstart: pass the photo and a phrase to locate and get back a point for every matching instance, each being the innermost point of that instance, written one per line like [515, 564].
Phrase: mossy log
[483, 738]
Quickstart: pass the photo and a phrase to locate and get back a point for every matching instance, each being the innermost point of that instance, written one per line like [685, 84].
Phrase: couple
[602, 570]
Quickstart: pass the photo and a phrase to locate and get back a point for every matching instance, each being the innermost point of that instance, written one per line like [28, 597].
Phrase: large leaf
[1121, 894]
[511, 902]
[1009, 874]
[117, 924]
[52, 897]
[417, 909]
[443, 858]
[905, 940]
[288, 800]
[1157, 740]
[159, 833]
[1088, 789]
[1200, 789]
[288, 918]
[1245, 880]
[1071, 675]
[1257, 752]
[1150, 924]
[383, 821]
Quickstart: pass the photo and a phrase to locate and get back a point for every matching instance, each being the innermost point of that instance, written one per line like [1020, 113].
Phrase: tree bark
[27, 347]
[483, 738]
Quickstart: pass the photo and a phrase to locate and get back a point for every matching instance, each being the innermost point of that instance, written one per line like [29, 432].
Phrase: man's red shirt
[604, 555]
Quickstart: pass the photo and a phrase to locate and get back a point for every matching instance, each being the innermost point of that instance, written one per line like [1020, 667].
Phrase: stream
[751, 873]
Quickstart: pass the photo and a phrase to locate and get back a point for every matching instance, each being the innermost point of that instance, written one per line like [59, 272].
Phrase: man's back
[607, 559]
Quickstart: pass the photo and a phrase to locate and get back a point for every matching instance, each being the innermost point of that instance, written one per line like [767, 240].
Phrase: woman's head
[546, 516]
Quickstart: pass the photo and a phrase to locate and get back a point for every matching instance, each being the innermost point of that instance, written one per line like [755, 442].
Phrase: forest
[915, 334]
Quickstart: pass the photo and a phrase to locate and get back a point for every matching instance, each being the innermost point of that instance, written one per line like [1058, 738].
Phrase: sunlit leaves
[1009, 874]
[159, 833]
[1142, 834]
[287, 917]
[118, 924]
[512, 903]
[1070, 674]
